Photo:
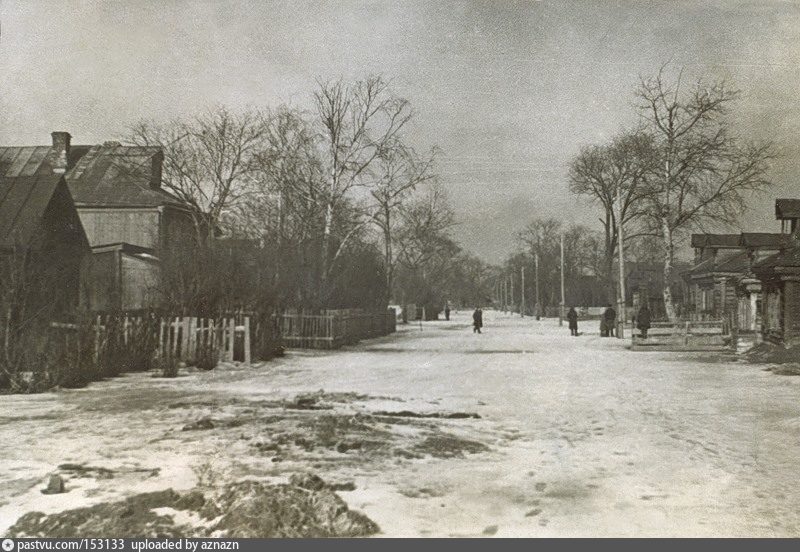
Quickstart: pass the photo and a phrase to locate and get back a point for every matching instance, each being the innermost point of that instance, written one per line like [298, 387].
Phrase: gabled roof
[108, 175]
[787, 209]
[715, 240]
[118, 176]
[23, 202]
[736, 262]
[24, 161]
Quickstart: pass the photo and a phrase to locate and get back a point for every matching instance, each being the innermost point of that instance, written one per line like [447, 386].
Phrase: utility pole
[538, 301]
[511, 303]
[621, 304]
[563, 298]
[522, 294]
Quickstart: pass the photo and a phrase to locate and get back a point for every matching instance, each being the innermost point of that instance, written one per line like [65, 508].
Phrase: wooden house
[779, 276]
[722, 283]
[123, 209]
[43, 247]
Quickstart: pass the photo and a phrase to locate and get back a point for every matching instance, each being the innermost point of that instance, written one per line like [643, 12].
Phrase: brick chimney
[156, 170]
[60, 154]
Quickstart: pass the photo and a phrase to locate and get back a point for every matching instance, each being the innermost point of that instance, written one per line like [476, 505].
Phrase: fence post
[247, 340]
[161, 337]
[231, 338]
[185, 338]
[97, 340]
[176, 327]
[193, 337]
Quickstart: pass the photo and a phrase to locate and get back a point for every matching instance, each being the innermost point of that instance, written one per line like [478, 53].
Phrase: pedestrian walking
[447, 311]
[477, 320]
[572, 317]
[643, 320]
[610, 319]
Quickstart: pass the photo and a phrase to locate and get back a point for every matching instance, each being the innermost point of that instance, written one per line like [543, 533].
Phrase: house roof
[715, 240]
[23, 201]
[787, 209]
[735, 262]
[118, 176]
[108, 175]
[787, 258]
[738, 263]
[143, 253]
[764, 240]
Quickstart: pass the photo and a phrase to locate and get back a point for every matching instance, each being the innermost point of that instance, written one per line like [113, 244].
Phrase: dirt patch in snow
[769, 353]
[353, 438]
[789, 369]
[305, 507]
[443, 415]
[449, 446]
[99, 472]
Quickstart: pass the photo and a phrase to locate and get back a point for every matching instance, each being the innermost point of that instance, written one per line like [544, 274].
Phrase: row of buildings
[95, 216]
[752, 279]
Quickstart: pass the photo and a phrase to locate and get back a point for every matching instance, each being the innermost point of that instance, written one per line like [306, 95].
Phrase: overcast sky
[508, 90]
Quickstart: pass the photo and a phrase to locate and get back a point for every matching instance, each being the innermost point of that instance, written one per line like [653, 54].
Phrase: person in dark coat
[477, 320]
[643, 320]
[447, 311]
[610, 319]
[572, 317]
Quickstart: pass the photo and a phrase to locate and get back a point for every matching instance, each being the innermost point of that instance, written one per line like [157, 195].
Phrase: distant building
[124, 211]
[644, 284]
[42, 242]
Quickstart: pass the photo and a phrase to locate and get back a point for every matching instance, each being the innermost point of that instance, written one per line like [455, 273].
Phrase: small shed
[122, 277]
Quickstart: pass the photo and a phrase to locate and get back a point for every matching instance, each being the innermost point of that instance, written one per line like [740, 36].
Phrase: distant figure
[447, 311]
[610, 319]
[643, 320]
[477, 320]
[572, 317]
[537, 311]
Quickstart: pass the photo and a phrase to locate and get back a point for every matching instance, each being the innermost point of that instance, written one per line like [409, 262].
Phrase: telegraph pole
[621, 304]
[511, 303]
[563, 299]
[522, 293]
[536, 275]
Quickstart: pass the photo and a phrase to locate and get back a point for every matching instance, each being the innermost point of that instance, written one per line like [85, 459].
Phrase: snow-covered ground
[584, 437]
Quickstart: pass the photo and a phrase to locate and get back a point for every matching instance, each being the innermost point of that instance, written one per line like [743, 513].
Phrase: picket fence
[185, 338]
[182, 338]
[333, 328]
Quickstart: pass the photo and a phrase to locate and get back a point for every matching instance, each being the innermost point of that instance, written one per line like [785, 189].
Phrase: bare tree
[704, 175]
[357, 123]
[208, 160]
[614, 176]
[400, 170]
[425, 222]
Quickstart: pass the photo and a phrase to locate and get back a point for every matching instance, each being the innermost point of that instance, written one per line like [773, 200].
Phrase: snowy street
[573, 436]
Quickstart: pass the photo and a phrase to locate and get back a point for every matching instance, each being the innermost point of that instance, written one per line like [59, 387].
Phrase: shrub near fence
[334, 328]
[93, 347]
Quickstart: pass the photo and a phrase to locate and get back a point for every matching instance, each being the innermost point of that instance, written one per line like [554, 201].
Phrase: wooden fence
[688, 335]
[183, 338]
[333, 329]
